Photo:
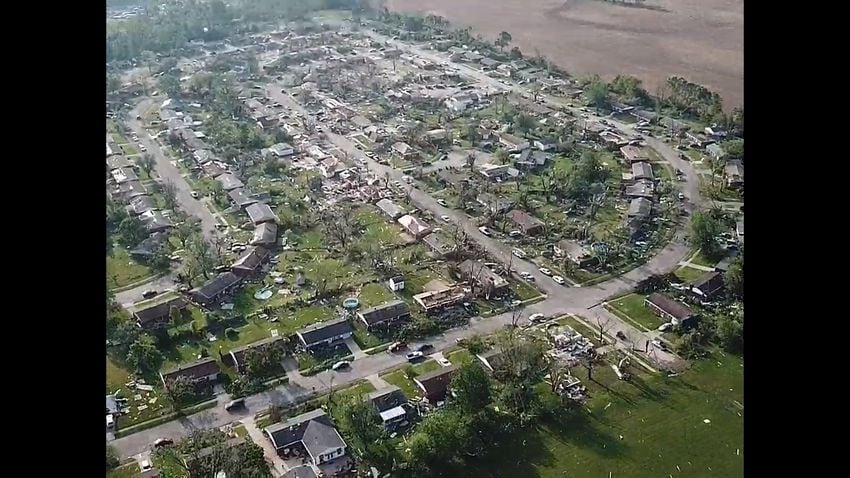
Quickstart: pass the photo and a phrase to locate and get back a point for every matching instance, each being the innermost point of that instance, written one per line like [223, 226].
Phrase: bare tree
[604, 325]
[169, 194]
[470, 161]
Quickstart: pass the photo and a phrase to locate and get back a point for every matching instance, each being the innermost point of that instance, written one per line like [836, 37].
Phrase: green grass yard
[590, 333]
[632, 307]
[364, 339]
[406, 385]
[121, 270]
[688, 274]
[700, 260]
[661, 421]
[129, 470]
[374, 293]
[460, 357]
[426, 367]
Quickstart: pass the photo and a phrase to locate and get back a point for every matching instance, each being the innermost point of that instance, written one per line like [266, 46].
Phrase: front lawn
[122, 270]
[590, 333]
[460, 357]
[649, 427]
[129, 470]
[374, 293]
[364, 339]
[701, 260]
[524, 291]
[426, 367]
[631, 307]
[406, 385]
[688, 274]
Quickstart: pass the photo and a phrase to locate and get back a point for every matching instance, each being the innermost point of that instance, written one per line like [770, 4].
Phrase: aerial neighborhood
[367, 243]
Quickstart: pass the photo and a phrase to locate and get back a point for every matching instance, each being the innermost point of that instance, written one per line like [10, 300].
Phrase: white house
[396, 283]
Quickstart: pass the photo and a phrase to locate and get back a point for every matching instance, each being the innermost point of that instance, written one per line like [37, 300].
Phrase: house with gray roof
[640, 208]
[391, 209]
[265, 235]
[229, 182]
[260, 213]
[241, 198]
[325, 333]
[385, 314]
[313, 432]
[642, 171]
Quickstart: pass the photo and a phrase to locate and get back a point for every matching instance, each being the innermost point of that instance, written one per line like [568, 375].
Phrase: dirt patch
[701, 40]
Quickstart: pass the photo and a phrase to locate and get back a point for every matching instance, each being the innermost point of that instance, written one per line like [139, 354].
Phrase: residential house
[130, 190]
[202, 156]
[642, 171]
[493, 203]
[415, 227]
[531, 159]
[512, 143]
[545, 145]
[488, 282]
[229, 182]
[142, 204]
[640, 208]
[698, 140]
[632, 154]
[325, 333]
[154, 221]
[669, 309]
[260, 213]
[734, 172]
[265, 235]
[282, 150]
[403, 150]
[708, 285]
[207, 461]
[438, 134]
[644, 115]
[452, 178]
[384, 315]
[215, 288]
[716, 151]
[472, 56]
[437, 299]
[250, 262]
[123, 175]
[117, 162]
[526, 223]
[237, 355]
[488, 64]
[493, 359]
[435, 385]
[360, 121]
[158, 315]
[203, 370]
[576, 253]
[675, 126]
[495, 172]
[439, 247]
[240, 198]
[396, 283]
[621, 108]
[149, 246]
[391, 209]
[641, 189]
[391, 405]
[313, 432]
[612, 140]
[214, 169]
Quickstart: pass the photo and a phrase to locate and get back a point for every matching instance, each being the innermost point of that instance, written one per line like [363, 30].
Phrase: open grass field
[121, 270]
[652, 426]
[631, 306]
[702, 41]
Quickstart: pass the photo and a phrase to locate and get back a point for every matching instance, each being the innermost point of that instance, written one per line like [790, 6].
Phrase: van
[110, 421]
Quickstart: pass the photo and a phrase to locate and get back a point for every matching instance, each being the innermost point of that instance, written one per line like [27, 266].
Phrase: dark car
[238, 403]
[149, 293]
[161, 442]
[425, 347]
[621, 335]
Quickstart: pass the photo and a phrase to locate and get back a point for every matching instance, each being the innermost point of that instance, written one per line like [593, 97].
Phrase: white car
[484, 230]
[519, 253]
[545, 271]
[442, 202]
[537, 318]
[341, 365]
[110, 421]
[526, 276]
[445, 218]
[558, 279]
[444, 362]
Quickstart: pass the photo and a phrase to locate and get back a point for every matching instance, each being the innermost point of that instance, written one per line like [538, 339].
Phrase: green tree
[169, 194]
[597, 94]
[516, 53]
[730, 334]
[181, 390]
[525, 123]
[131, 231]
[503, 40]
[733, 279]
[359, 420]
[704, 229]
[146, 163]
[734, 148]
[471, 387]
[439, 439]
[112, 460]
[143, 355]
[113, 83]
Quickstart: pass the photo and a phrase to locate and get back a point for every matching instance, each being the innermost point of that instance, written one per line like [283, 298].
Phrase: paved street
[582, 301]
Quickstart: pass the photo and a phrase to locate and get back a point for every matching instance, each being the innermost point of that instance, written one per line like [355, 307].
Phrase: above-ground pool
[351, 303]
[263, 294]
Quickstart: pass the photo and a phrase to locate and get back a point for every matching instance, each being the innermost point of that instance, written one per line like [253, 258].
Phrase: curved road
[584, 301]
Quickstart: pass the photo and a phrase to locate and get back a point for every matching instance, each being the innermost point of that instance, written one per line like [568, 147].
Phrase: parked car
[414, 356]
[442, 202]
[110, 421]
[424, 347]
[444, 362]
[519, 253]
[145, 465]
[657, 343]
[620, 335]
[238, 403]
[545, 271]
[484, 230]
[149, 293]
[195, 194]
[445, 218]
[341, 365]
[161, 442]
[515, 233]
[537, 318]
[397, 346]
[526, 276]
[560, 280]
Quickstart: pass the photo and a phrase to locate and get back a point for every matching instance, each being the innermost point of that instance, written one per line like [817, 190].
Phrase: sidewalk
[269, 452]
